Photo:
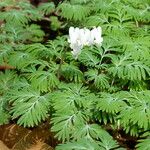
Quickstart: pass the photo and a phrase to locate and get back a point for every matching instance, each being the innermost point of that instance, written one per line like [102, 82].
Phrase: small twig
[5, 67]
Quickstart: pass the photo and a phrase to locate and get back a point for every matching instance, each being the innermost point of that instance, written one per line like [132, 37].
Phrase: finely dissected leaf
[47, 8]
[89, 59]
[96, 20]
[7, 80]
[78, 12]
[34, 33]
[101, 81]
[82, 144]
[72, 106]
[143, 144]
[16, 17]
[74, 94]
[90, 131]
[43, 80]
[4, 115]
[35, 49]
[71, 72]
[79, 1]
[106, 87]
[106, 141]
[29, 107]
[28, 60]
[57, 46]
[138, 112]
[125, 69]
[110, 103]
[5, 51]
[21, 59]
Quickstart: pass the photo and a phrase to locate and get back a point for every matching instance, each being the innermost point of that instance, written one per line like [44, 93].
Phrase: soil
[15, 137]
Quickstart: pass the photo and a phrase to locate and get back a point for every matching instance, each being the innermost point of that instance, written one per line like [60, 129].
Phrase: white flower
[88, 37]
[96, 33]
[73, 34]
[83, 37]
[75, 40]
[76, 49]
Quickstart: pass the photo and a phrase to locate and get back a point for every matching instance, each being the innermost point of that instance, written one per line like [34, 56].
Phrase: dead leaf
[3, 146]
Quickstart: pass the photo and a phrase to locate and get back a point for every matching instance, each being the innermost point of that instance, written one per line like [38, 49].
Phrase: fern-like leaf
[106, 141]
[43, 80]
[101, 81]
[82, 144]
[143, 144]
[110, 103]
[73, 107]
[34, 33]
[15, 17]
[72, 72]
[126, 69]
[137, 113]
[7, 80]
[73, 12]
[5, 51]
[29, 106]
[88, 58]
[47, 8]
[4, 114]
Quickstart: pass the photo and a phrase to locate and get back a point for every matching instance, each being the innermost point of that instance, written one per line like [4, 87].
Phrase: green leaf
[110, 103]
[78, 12]
[72, 72]
[15, 17]
[82, 144]
[88, 58]
[4, 113]
[126, 69]
[101, 81]
[47, 8]
[29, 106]
[43, 80]
[143, 144]
[7, 80]
[72, 105]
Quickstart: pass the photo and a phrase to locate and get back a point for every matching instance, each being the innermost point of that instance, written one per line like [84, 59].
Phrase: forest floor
[15, 137]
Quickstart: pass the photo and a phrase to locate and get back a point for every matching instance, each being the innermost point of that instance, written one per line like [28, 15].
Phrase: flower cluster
[83, 37]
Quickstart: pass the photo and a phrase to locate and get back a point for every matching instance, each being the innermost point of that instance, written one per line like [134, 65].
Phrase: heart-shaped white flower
[96, 33]
[83, 37]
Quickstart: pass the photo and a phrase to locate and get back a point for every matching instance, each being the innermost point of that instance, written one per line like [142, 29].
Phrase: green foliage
[31, 100]
[47, 8]
[15, 17]
[106, 143]
[7, 80]
[101, 81]
[77, 102]
[106, 87]
[78, 12]
[72, 73]
[4, 115]
[144, 144]
[43, 80]
[110, 103]
[126, 69]
[55, 23]
[79, 145]
[137, 113]
[88, 58]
